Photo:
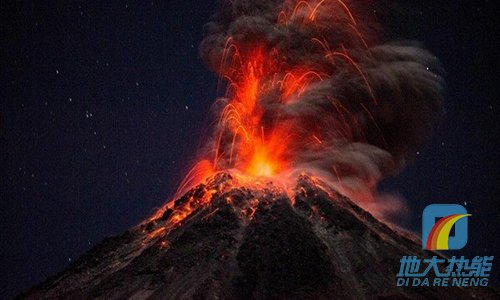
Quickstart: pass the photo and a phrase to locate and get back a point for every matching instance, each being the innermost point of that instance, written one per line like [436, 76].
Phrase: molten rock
[224, 240]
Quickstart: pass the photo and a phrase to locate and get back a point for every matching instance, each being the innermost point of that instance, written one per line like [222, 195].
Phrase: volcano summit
[224, 240]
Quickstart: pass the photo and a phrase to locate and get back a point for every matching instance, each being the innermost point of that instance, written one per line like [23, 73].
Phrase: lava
[309, 87]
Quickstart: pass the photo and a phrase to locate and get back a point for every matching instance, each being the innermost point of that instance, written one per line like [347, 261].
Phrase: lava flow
[310, 86]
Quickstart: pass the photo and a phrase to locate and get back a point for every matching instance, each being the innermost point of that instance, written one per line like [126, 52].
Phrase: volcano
[232, 239]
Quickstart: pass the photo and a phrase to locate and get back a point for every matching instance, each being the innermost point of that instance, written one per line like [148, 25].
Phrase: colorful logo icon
[444, 227]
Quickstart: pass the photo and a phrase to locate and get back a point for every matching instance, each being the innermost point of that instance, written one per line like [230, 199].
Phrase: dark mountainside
[249, 243]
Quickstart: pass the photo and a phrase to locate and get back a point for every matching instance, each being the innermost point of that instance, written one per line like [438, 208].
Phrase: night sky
[102, 107]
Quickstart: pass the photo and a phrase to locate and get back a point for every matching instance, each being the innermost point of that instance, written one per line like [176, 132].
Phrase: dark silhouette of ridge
[250, 243]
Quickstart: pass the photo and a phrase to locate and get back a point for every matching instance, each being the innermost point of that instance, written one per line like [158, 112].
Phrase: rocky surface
[224, 240]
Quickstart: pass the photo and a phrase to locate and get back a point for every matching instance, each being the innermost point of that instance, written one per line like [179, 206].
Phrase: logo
[444, 227]
[439, 271]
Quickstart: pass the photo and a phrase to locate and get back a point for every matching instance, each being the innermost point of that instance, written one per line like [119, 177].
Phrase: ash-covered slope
[224, 240]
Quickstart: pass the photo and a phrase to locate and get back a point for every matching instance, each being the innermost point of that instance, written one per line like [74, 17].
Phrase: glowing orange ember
[298, 97]
[260, 147]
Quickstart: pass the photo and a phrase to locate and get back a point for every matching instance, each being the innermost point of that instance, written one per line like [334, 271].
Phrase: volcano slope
[227, 240]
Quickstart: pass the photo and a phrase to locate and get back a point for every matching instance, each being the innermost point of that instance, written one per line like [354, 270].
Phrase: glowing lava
[306, 86]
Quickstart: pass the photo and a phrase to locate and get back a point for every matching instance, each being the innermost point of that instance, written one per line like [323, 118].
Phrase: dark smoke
[368, 131]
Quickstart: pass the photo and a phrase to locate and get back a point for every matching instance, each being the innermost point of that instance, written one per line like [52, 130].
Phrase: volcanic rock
[228, 240]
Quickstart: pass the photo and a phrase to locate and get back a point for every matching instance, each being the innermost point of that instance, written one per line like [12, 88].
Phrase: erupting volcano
[233, 239]
[316, 107]
[312, 86]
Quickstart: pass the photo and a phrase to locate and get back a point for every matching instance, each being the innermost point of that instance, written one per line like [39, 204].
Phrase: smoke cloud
[317, 87]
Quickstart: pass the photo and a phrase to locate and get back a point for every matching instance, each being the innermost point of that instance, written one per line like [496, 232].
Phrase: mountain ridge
[226, 240]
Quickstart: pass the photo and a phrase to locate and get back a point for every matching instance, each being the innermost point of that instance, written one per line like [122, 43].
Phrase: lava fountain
[312, 86]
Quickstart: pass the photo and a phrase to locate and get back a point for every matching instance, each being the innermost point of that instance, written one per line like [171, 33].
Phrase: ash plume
[332, 96]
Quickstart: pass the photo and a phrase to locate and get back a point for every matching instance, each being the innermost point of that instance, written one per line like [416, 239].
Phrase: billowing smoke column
[310, 86]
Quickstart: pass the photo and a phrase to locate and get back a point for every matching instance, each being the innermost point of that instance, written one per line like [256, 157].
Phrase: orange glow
[261, 163]
[248, 142]
[251, 69]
